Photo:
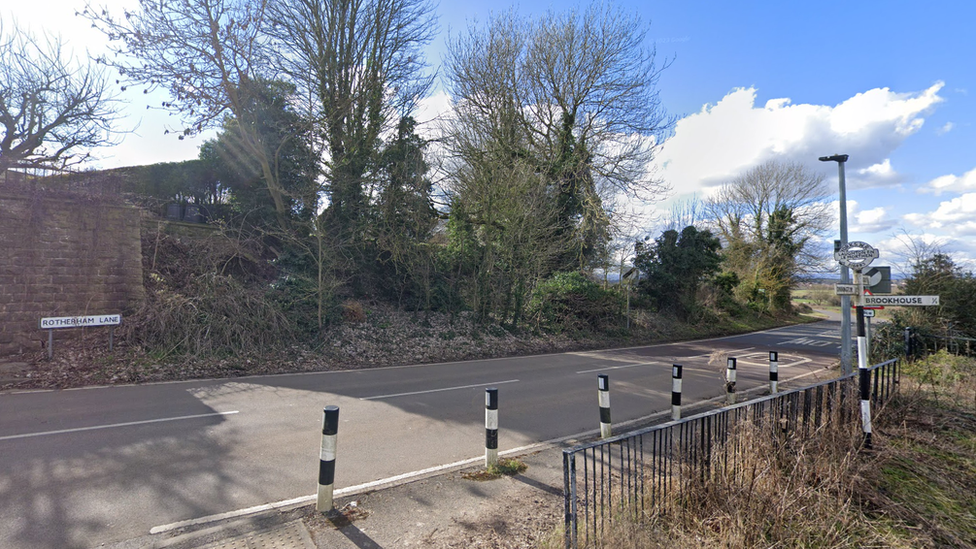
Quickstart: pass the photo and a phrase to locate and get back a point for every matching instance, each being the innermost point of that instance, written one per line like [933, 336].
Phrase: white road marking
[114, 425]
[391, 481]
[659, 363]
[785, 360]
[809, 341]
[439, 390]
[623, 366]
[403, 366]
[606, 355]
[830, 334]
[733, 352]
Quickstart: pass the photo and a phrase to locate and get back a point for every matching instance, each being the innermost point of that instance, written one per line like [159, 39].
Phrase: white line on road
[783, 361]
[620, 367]
[657, 363]
[731, 352]
[831, 335]
[113, 425]
[782, 364]
[439, 390]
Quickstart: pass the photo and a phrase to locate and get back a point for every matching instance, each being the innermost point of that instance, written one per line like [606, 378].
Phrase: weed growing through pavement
[504, 467]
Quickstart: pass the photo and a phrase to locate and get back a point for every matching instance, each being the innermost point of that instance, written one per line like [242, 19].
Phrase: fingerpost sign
[856, 255]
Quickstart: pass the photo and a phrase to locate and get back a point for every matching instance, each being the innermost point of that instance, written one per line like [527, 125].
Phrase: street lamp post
[845, 275]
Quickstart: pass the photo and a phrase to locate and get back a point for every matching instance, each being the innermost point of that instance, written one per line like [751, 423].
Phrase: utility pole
[845, 275]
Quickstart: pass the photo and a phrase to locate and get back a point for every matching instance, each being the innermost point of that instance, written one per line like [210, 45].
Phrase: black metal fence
[619, 477]
[919, 343]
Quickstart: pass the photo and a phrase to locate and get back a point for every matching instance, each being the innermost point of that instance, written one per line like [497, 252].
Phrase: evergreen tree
[674, 267]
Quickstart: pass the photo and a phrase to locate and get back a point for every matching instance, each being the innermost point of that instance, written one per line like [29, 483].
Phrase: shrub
[353, 312]
[212, 314]
[570, 301]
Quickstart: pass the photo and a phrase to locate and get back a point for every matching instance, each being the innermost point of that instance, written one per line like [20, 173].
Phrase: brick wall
[64, 256]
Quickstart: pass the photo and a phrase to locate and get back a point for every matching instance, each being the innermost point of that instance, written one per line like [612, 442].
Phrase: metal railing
[921, 343]
[623, 476]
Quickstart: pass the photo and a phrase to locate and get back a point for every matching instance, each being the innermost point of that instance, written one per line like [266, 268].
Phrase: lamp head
[834, 158]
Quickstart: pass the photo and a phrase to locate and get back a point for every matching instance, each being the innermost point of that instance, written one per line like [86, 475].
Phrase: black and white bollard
[491, 427]
[603, 397]
[908, 342]
[773, 372]
[327, 456]
[675, 392]
[730, 382]
[864, 375]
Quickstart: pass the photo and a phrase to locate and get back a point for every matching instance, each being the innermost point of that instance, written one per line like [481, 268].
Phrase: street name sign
[80, 321]
[55, 322]
[845, 289]
[856, 255]
[902, 300]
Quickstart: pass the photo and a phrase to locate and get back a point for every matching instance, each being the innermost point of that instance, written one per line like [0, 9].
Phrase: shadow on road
[71, 490]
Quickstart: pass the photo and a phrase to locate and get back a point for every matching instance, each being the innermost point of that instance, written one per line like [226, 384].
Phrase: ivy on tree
[674, 267]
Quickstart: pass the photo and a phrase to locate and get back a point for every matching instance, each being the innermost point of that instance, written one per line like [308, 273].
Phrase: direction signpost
[902, 300]
[858, 255]
[878, 279]
[845, 289]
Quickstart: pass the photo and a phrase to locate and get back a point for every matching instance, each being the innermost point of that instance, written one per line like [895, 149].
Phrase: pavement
[442, 510]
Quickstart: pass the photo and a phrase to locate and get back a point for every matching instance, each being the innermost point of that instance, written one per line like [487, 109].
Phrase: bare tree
[683, 214]
[360, 65]
[916, 249]
[769, 218]
[572, 93]
[207, 54]
[592, 84]
[53, 110]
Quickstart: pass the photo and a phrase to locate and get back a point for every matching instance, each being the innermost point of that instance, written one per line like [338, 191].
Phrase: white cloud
[875, 220]
[431, 108]
[945, 129]
[900, 250]
[734, 134]
[880, 174]
[956, 217]
[951, 183]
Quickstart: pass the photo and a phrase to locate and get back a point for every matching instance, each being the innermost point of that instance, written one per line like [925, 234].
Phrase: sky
[890, 83]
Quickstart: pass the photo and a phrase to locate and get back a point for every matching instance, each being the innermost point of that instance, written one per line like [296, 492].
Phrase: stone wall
[63, 255]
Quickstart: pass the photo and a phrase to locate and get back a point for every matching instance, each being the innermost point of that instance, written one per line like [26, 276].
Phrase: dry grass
[505, 466]
[926, 477]
[211, 315]
[782, 494]
[353, 312]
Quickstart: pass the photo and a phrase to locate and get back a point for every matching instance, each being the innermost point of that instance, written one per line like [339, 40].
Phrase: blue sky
[891, 83]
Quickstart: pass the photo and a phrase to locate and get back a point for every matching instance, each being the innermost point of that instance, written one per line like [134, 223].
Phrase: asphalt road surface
[86, 467]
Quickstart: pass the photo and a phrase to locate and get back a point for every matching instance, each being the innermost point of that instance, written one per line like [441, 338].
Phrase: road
[85, 467]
